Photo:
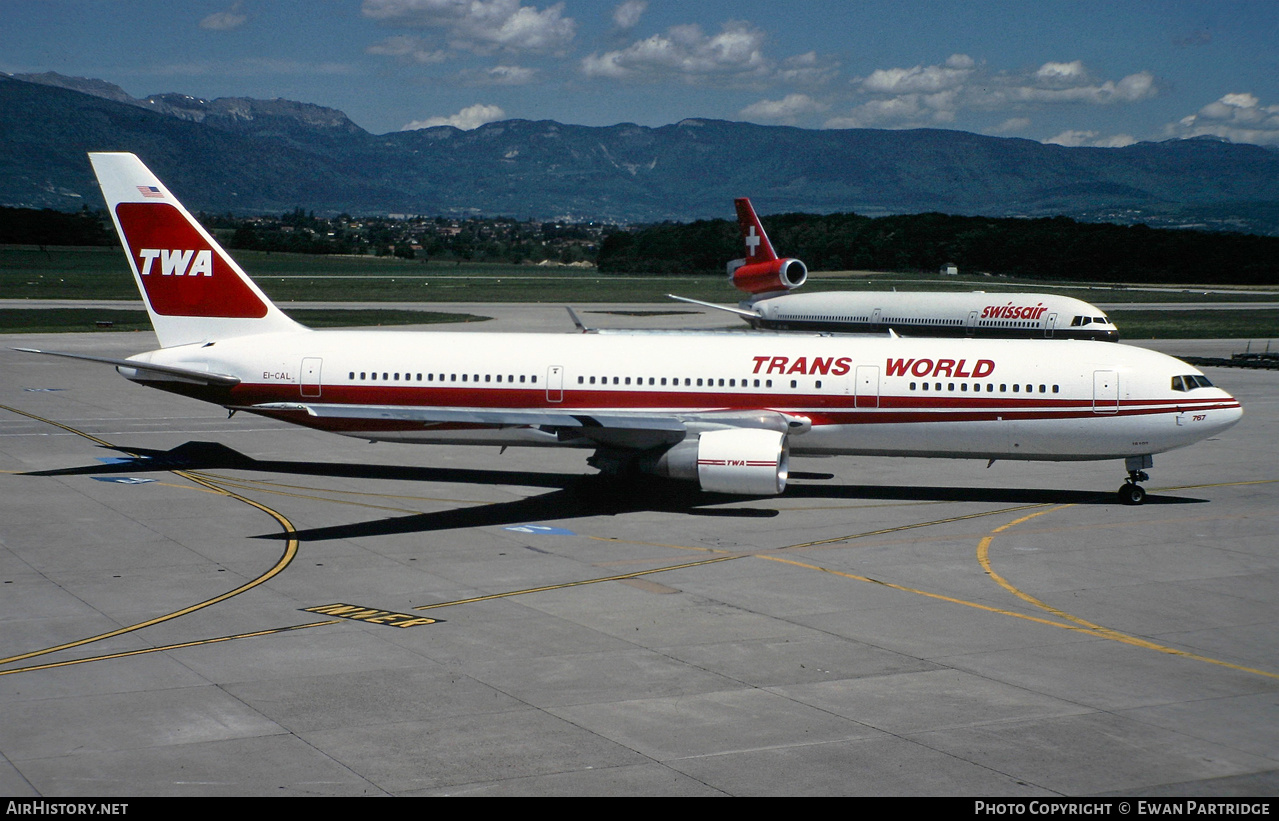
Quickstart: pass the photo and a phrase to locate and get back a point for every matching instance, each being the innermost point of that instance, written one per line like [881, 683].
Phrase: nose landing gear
[1132, 493]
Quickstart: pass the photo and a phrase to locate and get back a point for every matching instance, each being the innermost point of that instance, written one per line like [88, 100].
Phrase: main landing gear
[1132, 493]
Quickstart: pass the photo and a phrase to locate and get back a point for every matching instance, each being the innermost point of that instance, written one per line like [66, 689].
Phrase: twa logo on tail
[194, 292]
[179, 270]
[178, 263]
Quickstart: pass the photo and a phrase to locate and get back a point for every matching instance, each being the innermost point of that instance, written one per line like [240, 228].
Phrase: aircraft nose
[1227, 414]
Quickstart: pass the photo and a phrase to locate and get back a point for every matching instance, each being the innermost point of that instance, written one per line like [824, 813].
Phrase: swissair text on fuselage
[1011, 311]
[820, 365]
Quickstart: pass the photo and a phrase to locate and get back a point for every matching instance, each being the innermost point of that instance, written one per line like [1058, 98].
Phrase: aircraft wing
[605, 427]
[480, 416]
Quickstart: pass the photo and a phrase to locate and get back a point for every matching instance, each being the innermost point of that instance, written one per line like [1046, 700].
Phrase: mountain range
[249, 156]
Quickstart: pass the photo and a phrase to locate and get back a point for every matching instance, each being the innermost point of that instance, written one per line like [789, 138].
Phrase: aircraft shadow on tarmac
[573, 495]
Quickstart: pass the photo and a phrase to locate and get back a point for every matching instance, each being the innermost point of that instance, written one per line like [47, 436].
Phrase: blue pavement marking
[541, 530]
[123, 480]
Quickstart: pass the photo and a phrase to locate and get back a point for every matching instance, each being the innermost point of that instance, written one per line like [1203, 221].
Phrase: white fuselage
[980, 398]
[913, 313]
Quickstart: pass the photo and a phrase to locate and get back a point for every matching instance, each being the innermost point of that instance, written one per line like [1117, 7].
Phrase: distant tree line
[28, 226]
[1051, 248]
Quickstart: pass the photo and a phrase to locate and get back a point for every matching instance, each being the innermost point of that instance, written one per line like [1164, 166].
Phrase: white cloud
[1065, 73]
[1013, 124]
[500, 76]
[921, 78]
[466, 119]
[927, 95]
[481, 26]
[807, 69]
[409, 49]
[785, 110]
[227, 20]
[736, 52]
[627, 15]
[1094, 139]
[1238, 117]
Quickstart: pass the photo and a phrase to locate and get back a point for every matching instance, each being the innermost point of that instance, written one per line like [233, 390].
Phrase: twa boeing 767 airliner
[724, 410]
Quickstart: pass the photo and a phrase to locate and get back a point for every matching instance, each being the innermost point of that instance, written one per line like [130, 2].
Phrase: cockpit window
[1080, 320]
[1189, 382]
[1101, 320]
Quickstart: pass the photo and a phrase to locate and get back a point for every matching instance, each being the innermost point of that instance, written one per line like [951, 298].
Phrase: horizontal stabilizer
[221, 380]
[737, 311]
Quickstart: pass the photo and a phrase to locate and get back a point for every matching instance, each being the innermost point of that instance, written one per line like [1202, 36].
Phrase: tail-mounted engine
[745, 461]
[766, 276]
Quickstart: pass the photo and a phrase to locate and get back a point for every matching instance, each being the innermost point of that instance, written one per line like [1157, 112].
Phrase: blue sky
[1078, 73]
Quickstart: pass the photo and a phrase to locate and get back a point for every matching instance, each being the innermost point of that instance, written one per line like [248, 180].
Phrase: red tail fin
[193, 290]
[761, 272]
[758, 248]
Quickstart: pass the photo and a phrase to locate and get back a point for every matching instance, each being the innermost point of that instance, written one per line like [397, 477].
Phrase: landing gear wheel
[1132, 494]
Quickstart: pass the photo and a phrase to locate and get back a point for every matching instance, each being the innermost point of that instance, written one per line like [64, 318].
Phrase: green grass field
[27, 272]
[79, 320]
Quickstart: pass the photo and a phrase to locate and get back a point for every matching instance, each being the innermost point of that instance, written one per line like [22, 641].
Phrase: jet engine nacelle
[771, 275]
[744, 461]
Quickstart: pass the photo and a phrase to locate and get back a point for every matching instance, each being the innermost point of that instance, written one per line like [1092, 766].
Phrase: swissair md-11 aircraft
[723, 410]
[769, 279]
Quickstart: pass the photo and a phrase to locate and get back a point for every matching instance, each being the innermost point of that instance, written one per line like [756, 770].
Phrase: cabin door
[310, 376]
[1105, 392]
[866, 387]
[555, 383]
